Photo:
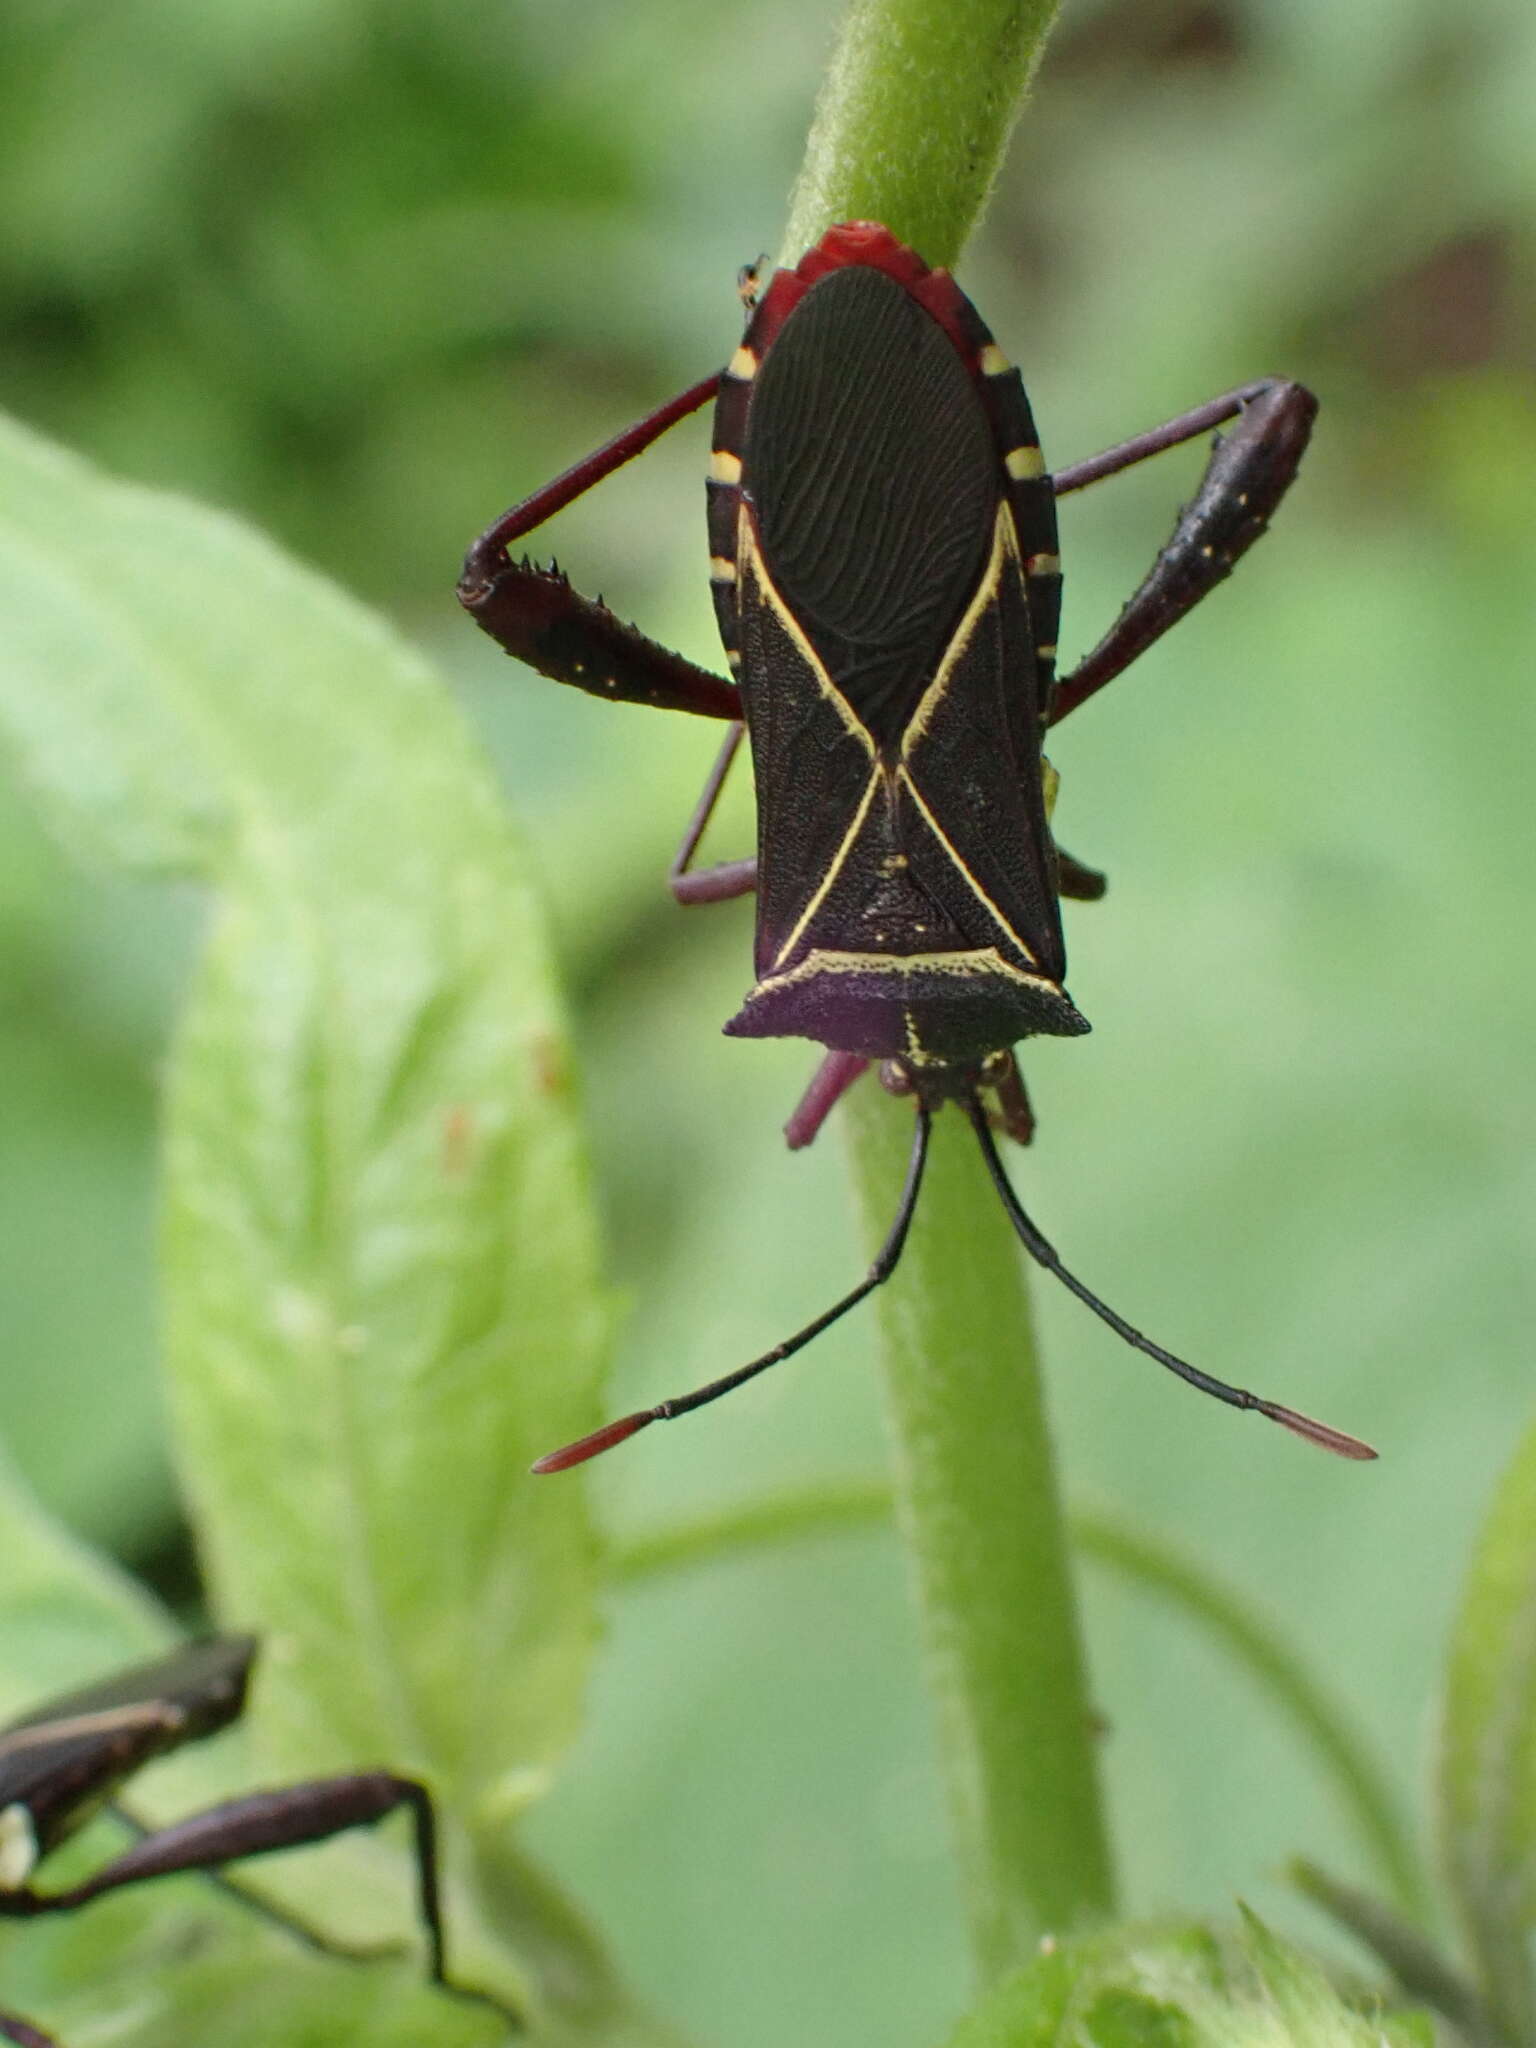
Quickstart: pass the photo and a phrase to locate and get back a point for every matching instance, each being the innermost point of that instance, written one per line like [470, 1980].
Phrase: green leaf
[91, 701]
[66, 1614]
[382, 1288]
[378, 1283]
[1121, 1988]
[1487, 1762]
[1129, 2019]
[1179, 1986]
[178, 1964]
[383, 1298]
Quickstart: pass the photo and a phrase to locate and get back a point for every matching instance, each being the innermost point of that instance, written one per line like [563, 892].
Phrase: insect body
[885, 617]
[887, 584]
[62, 1762]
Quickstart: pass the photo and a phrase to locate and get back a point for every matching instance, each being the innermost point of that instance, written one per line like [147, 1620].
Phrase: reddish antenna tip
[599, 1441]
[1318, 1433]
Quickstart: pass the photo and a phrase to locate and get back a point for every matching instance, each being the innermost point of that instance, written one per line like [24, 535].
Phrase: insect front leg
[264, 1908]
[537, 617]
[1248, 473]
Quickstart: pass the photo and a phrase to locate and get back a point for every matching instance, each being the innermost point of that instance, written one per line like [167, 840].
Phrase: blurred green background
[367, 272]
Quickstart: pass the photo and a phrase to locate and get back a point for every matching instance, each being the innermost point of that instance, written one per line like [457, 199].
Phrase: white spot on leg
[18, 1847]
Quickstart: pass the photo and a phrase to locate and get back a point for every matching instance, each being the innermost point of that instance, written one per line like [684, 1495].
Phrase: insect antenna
[884, 1265]
[1044, 1254]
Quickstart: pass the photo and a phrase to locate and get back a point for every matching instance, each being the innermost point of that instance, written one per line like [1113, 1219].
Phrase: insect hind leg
[289, 1817]
[534, 614]
[1248, 472]
[265, 1908]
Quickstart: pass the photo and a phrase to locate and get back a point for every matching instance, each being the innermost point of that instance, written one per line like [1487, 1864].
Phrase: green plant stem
[978, 1507]
[914, 116]
[909, 130]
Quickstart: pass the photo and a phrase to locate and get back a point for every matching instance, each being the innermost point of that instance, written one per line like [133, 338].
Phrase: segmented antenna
[1045, 1254]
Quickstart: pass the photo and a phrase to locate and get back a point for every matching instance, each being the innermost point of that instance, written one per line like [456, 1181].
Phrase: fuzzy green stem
[978, 1507]
[914, 117]
[909, 130]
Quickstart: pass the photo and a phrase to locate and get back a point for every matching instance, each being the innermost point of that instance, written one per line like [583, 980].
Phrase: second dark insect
[67, 1759]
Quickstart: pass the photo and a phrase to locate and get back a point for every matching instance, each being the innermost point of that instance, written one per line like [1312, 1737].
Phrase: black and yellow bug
[63, 1761]
[887, 582]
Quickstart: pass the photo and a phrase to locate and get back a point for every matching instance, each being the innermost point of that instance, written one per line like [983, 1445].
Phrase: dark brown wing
[873, 477]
